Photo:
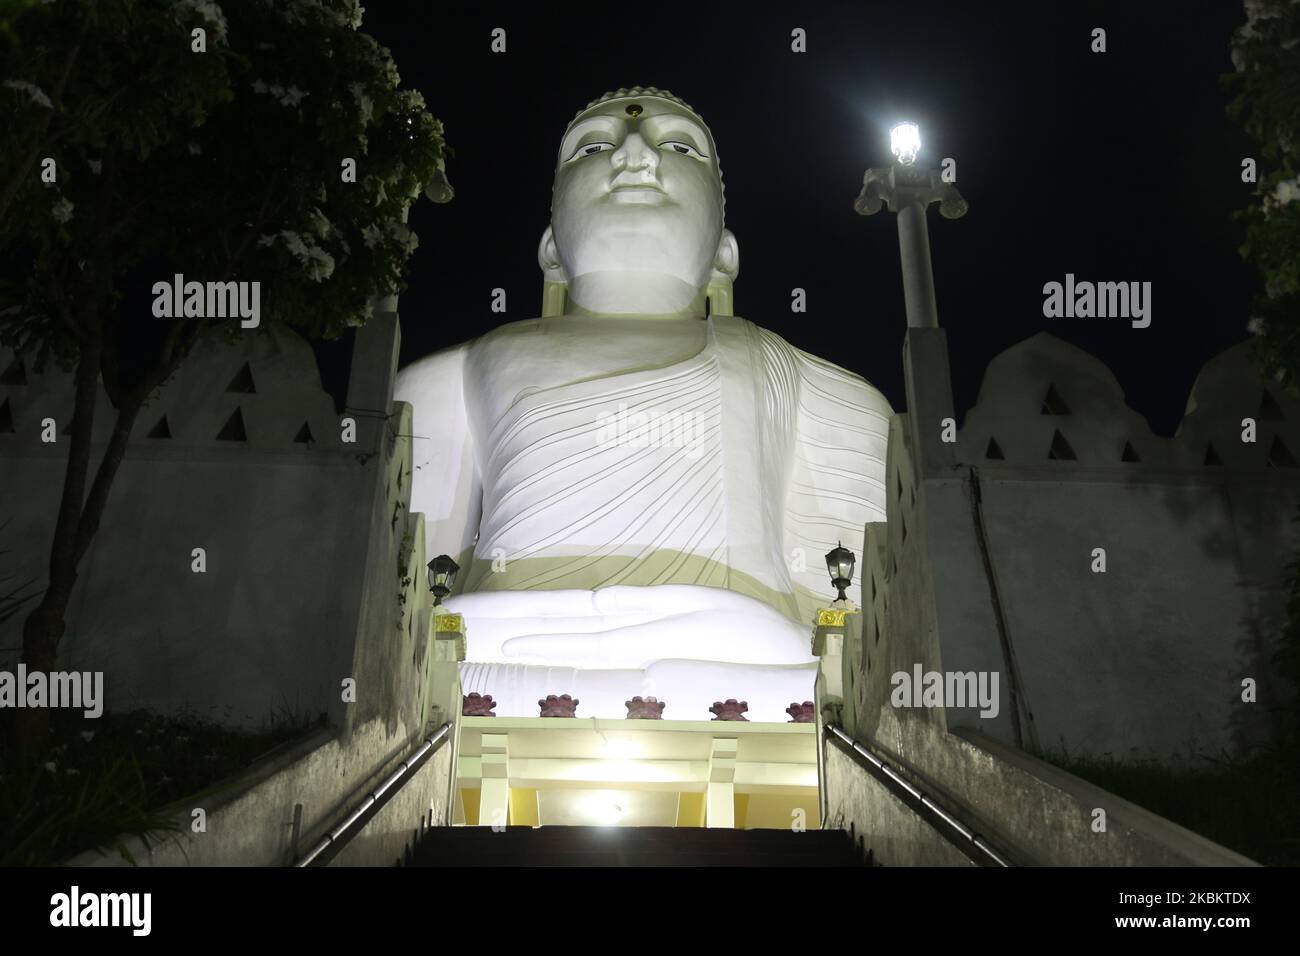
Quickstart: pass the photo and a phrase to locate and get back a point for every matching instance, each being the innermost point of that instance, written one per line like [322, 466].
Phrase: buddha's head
[637, 213]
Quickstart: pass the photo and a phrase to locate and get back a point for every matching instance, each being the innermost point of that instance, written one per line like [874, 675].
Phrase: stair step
[642, 833]
[631, 846]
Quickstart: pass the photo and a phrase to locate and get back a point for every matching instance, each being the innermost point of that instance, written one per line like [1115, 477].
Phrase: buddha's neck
[634, 294]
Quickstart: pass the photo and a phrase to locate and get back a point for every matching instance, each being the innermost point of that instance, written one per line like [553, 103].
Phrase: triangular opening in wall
[243, 382]
[1212, 456]
[1269, 410]
[1060, 450]
[1053, 403]
[1129, 454]
[902, 526]
[15, 374]
[6, 418]
[898, 485]
[233, 429]
[994, 451]
[1279, 456]
[305, 436]
[161, 429]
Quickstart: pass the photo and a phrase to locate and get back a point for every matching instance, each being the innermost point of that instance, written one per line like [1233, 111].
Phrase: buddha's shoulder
[454, 356]
[432, 375]
[826, 376]
[513, 329]
[606, 342]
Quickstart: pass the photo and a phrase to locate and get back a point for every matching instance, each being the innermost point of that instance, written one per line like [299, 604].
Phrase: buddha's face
[637, 190]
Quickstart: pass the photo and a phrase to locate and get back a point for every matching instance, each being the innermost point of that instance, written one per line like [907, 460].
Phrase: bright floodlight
[905, 142]
[603, 807]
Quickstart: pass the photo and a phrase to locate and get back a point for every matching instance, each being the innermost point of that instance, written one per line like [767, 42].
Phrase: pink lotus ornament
[562, 706]
[648, 708]
[477, 705]
[729, 709]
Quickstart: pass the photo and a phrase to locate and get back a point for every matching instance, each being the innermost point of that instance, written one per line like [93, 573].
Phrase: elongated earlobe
[555, 285]
[726, 266]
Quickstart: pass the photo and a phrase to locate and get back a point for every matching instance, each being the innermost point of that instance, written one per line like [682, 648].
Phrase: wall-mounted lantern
[839, 562]
[442, 575]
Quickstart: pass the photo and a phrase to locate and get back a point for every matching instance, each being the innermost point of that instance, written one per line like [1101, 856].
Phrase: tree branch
[63, 560]
[104, 475]
[180, 340]
[42, 140]
[272, 184]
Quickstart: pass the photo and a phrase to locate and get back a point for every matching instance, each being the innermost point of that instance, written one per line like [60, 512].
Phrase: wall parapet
[1048, 405]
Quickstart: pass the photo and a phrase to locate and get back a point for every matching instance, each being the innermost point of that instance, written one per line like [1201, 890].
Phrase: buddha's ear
[555, 283]
[726, 266]
[548, 257]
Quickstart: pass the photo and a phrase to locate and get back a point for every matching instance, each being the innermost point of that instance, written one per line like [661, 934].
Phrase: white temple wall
[239, 643]
[1148, 657]
[300, 529]
[1145, 659]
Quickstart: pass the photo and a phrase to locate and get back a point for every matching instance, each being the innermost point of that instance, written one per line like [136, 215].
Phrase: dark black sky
[1120, 166]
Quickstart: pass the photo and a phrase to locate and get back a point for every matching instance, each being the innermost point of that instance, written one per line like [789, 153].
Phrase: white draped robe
[648, 503]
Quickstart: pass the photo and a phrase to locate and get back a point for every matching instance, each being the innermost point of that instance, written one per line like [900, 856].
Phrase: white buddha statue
[639, 486]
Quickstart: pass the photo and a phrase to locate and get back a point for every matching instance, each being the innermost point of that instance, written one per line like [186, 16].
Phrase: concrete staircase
[631, 846]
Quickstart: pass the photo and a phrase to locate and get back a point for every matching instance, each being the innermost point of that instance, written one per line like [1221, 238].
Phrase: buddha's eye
[591, 149]
[686, 149]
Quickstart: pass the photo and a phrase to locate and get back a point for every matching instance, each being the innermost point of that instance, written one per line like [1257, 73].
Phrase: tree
[1266, 54]
[12, 596]
[217, 139]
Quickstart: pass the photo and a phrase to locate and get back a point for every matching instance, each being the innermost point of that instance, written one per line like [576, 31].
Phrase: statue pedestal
[444, 678]
[832, 625]
[828, 647]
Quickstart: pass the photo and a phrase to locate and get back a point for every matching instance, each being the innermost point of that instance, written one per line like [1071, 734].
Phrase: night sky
[1120, 166]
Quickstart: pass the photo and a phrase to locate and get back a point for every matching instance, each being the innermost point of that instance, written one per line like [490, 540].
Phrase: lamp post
[442, 575]
[828, 648]
[908, 190]
[445, 698]
[839, 562]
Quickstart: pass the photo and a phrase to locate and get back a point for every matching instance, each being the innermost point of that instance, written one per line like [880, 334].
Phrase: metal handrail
[339, 836]
[926, 806]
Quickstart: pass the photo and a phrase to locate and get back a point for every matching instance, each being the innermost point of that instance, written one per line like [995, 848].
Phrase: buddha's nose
[635, 153]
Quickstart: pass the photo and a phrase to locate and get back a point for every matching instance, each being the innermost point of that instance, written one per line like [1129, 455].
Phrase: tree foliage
[1266, 53]
[228, 162]
[194, 137]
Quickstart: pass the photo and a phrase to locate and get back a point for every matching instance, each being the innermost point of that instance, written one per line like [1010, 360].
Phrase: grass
[104, 779]
[1250, 804]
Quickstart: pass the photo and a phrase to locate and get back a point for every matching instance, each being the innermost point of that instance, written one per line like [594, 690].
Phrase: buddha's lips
[635, 185]
[642, 194]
